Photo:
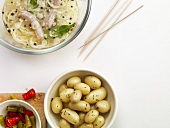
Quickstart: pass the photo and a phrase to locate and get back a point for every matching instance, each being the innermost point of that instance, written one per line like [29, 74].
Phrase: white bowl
[4, 104]
[53, 119]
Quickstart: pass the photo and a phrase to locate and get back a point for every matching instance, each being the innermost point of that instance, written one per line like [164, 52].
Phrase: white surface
[135, 56]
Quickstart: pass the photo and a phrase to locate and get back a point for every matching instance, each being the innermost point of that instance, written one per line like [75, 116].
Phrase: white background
[135, 56]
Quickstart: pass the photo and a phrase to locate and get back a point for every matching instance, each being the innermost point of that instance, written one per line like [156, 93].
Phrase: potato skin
[56, 105]
[82, 116]
[64, 123]
[76, 96]
[84, 88]
[93, 82]
[99, 122]
[62, 88]
[103, 106]
[72, 81]
[85, 125]
[80, 106]
[95, 95]
[70, 115]
[91, 116]
[66, 94]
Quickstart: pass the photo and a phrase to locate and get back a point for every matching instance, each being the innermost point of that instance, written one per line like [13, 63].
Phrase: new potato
[70, 115]
[62, 88]
[73, 81]
[76, 96]
[86, 126]
[93, 82]
[64, 124]
[66, 94]
[56, 105]
[99, 122]
[81, 121]
[103, 106]
[84, 88]
[80, 106]
[91, 116]
[95, 95]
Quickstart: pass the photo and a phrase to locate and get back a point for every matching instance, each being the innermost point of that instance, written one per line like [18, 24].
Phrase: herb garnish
[33, 4]
[59, 31]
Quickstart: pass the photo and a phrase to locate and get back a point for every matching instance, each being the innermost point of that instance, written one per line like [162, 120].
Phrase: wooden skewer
[109, 29]
[91, 37]
[100, 24]
[113, 26]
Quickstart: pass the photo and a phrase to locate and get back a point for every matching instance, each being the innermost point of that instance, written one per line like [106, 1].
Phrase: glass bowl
[7, 40]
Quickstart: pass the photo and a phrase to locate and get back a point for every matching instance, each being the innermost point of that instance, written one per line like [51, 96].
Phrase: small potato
[91, 116]
[80, 106]
[66, 94]
[64, 124]
[95, 95]
[99, 122]
[62, 88]
[84, 88]
[93, 82]
[70, 115]
[86, 126]
[76, 96]
[72, 81]
[82, 116]
[56, 105]
[103, 106]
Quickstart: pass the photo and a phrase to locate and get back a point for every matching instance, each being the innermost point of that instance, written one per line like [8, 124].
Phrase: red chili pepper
[21, 117]
[30, 94]
[28, 112]
[12, 121]
[12, 114]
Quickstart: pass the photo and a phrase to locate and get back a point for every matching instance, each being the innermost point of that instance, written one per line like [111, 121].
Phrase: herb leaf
[33, 4]
[59, 31]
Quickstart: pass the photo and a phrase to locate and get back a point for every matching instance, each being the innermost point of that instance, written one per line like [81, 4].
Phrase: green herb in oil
[32, 4]
[59, 31]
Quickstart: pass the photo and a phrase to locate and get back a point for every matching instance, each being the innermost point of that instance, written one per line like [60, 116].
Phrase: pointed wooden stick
[109, 29]
[113, 26]
[100, 24]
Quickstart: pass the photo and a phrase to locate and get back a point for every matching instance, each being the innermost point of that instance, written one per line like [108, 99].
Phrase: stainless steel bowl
[6, 39]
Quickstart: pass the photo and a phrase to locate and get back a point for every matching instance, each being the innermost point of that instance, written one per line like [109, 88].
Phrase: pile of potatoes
[81, 104]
